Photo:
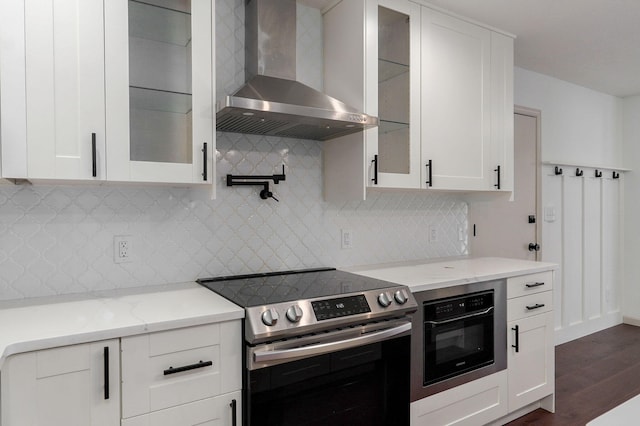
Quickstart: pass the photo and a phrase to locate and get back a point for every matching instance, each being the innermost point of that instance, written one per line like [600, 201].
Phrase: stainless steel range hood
[272, 102]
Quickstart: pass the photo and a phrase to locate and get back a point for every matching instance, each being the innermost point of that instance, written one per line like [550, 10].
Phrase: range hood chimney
[272, 102]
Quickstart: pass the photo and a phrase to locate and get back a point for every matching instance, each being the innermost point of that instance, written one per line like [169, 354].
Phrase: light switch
[549, 214]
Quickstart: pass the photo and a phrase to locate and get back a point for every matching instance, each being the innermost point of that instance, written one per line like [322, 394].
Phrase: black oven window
[459, 343]
[458, 336]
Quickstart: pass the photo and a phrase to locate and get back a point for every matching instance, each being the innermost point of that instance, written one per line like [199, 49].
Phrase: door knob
[534, 247]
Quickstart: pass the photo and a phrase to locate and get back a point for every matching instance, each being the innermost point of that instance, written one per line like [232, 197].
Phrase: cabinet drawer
[175, 367]
[529, 284]
[214, 411]
[526, 306]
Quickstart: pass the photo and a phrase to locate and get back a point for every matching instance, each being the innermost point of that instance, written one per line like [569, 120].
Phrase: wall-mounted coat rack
[598, 173]
[616, 175]
[579, 172]
[558, 171]
[258, 180]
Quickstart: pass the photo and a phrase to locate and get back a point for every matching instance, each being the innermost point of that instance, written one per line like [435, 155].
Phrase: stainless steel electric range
[322, 346]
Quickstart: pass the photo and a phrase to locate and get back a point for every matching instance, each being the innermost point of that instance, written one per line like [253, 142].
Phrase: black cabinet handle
[200, 364]
[497, 170]
[531, 285]
[204, 161]
[534, 247]
[234, 409]
[517, 345]
[375, 169]
[536, 306]
[429, 167]
[106, 372]
[94, 170]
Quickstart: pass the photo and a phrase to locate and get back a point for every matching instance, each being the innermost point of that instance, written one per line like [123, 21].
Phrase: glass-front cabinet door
[159, 85]
[396, 141]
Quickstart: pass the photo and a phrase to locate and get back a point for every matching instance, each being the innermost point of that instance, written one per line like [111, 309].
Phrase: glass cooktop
[276, 287]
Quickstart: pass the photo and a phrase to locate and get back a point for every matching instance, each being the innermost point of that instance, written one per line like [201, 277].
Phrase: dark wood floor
[593, 375]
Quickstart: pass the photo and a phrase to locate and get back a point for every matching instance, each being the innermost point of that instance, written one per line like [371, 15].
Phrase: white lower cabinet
[475, 403]
[75, 385]
[531, 356]
[210, 411]
[529, 380]
[181, 377]
[171, 368]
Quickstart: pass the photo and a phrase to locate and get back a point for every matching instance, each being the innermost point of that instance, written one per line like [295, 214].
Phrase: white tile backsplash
[59, 239]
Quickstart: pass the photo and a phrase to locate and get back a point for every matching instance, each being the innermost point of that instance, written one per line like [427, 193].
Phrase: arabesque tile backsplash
[59, 239]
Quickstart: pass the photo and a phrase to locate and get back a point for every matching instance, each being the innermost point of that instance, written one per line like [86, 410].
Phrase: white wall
[631, 131]
[580, 127]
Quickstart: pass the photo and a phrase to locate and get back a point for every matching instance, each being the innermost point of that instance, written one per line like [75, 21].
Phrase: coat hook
[579, 172]
[558, 171]
[598, 173]
[616, 175]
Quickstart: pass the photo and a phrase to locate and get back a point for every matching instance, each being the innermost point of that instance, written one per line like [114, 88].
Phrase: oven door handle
[475, 314]
[323, 348]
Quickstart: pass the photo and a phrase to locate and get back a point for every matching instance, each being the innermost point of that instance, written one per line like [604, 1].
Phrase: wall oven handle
[323, 348]
[475, 314]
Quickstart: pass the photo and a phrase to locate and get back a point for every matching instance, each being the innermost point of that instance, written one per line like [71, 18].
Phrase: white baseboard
[576, 331]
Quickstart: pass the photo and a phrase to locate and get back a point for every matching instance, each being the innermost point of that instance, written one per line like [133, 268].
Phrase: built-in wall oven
[323, 347]
[459, 335]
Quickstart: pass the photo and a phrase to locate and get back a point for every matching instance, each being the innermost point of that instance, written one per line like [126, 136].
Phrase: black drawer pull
[375, 169]
[201, 364]
[536, 306]
[105, 358]
[517, 342]
[234, 409]
[204, 162]
[531, 285]
[94, 161]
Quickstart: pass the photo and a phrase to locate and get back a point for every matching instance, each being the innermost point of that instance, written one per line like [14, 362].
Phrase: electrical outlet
[346, 239]
[122, 248]
[433, 234]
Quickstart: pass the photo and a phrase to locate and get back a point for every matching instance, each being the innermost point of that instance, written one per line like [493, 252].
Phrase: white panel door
[63, 386]
[531, 366]
[456, 119]
[65, 104]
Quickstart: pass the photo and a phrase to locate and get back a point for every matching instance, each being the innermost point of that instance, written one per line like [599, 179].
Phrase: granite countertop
[33, 324]
[420, 275]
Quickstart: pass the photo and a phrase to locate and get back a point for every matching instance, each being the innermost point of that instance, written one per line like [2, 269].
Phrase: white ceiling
[592, 43]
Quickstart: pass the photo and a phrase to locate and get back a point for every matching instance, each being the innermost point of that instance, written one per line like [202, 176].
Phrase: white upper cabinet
[395, 145]
[159, 85]
[442, 88]
[53, 101]
[117, 90]
[456, 102]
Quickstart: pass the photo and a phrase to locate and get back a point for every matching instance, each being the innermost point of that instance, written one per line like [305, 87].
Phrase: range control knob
[270, 317]
[401, 296]
[384, 300]
[294, 313]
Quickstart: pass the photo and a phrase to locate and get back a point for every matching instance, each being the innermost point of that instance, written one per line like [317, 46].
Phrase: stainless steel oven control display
[341, 307]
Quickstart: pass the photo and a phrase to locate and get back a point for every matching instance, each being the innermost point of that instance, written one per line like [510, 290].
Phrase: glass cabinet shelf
[154, 20]
[386, 126]
[159, 100]
[390, 69]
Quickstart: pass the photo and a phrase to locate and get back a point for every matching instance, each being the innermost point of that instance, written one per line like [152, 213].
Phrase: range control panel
[290, 319]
